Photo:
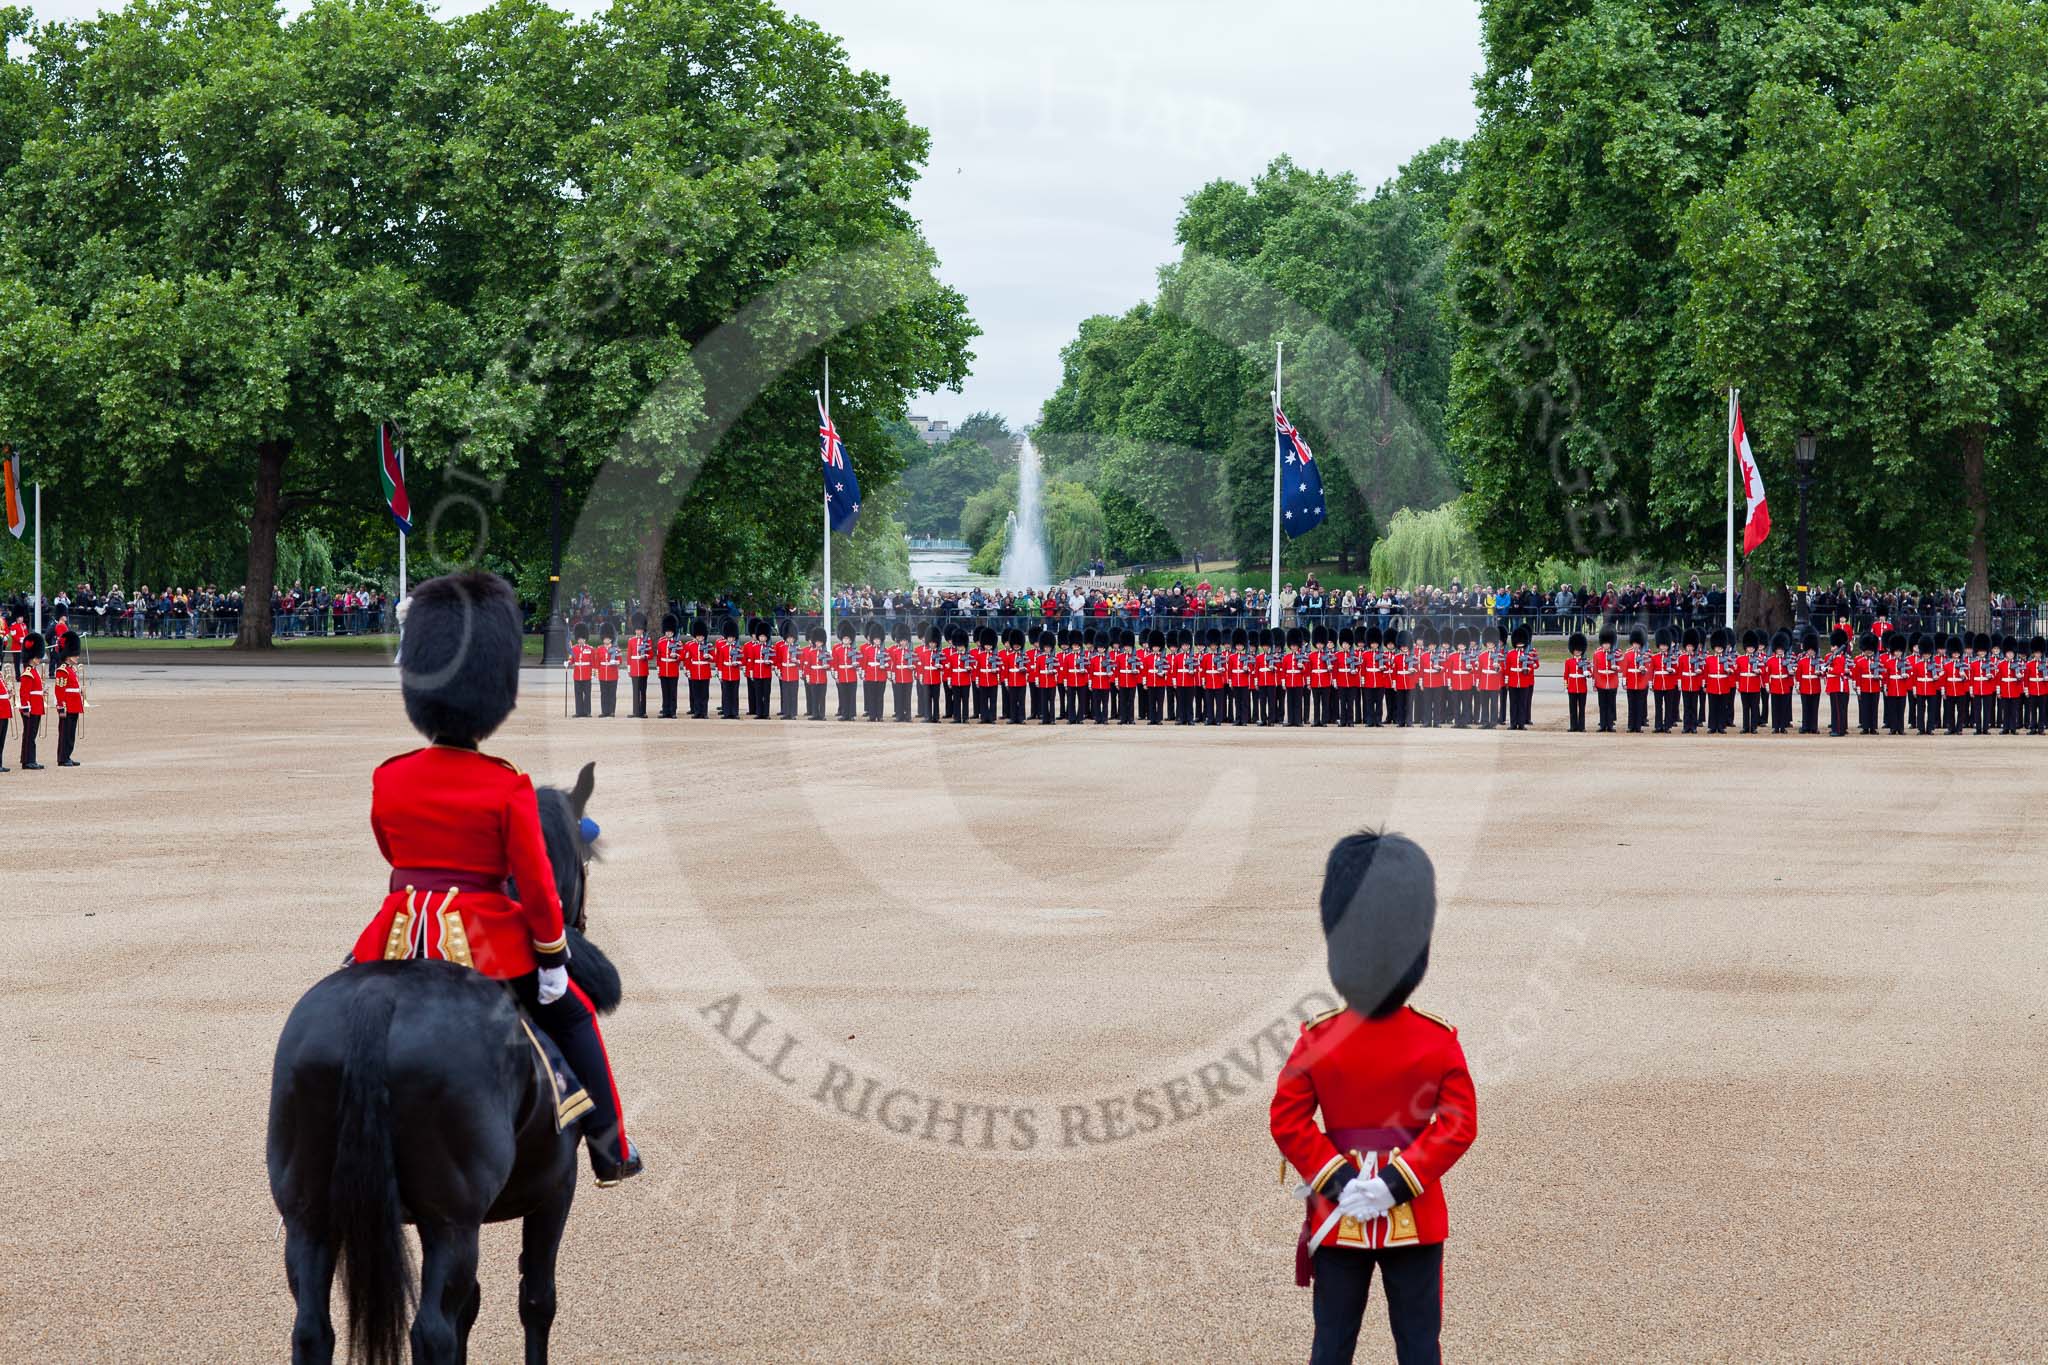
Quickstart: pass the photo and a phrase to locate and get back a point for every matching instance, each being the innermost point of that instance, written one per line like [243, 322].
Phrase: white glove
[554, 984]
[1366, 1200]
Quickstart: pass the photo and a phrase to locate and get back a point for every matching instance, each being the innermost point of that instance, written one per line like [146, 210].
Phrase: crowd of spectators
[179, 613]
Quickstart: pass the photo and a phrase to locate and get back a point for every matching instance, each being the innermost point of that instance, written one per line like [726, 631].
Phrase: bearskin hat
[1607, 636]
[901, 632]
[817, 635]
[1317, 635]
[1983, 642]
[639, 620]
[1296, 637]
[1156, 640]
[1751, 639]
[729, 628]
[1521, 635]
[1809, 642]
[700, 627]
[1088, 637]
[669, 623]
[844, 630]
[72, 646]
[1577, 642]
[1237, 638]
[1955, 646]
[1691, 638]
[1402, 639]
[1637, 638]
[458, 656]
[1840, 638]
[1866, 643]
[1378, 908]
[1344, 636]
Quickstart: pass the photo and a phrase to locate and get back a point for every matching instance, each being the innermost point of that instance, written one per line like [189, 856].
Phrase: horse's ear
[586, 782]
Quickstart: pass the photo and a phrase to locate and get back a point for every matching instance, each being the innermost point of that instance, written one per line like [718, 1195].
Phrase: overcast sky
[1065, 134]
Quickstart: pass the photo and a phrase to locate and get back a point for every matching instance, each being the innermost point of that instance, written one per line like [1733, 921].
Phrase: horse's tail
[363, 1203]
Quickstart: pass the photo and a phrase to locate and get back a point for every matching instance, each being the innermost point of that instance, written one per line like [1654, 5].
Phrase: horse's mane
[561, 829]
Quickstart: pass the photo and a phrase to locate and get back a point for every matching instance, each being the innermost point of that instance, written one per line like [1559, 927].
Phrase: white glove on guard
[1366, 1200]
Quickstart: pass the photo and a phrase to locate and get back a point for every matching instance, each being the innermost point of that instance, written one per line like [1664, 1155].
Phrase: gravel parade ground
[956, 1042]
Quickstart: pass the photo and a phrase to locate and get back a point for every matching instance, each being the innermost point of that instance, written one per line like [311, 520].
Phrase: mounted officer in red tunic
[471, 881]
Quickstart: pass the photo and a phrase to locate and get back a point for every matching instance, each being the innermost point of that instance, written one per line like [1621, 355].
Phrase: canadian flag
[1758, 528]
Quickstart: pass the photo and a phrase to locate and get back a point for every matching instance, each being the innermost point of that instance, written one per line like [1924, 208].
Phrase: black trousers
[1809, 714]
[899, 693]
[1606, 710]
[1575, 712]
[728, 700]
[3, 740]
[814, 700]
[787, 698]
[700, 698]
[29, 725]
[1781, 713]
[67, 735]
[928, 701]
[846, 701]
[1838, 713]
[668, 697]
[572, 1023]
[1638, 709]
[1866, 712]
[871, 699]
[639, 696]
[1691, 704]
[583, 697]
[1895, 715]
[1412, 1279]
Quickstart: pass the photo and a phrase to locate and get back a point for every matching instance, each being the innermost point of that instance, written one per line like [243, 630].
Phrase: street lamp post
[1803, 457]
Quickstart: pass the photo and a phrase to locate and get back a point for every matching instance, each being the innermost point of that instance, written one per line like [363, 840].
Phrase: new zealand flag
[842, 489]
[1301, 482]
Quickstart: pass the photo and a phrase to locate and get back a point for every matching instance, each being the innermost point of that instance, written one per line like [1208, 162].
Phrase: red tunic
[31, 686]
[1395, 1097]
[454, 824]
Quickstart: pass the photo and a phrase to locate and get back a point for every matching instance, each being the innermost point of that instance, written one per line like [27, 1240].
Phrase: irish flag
[1758, 528]
[10, 491]
[391, 464]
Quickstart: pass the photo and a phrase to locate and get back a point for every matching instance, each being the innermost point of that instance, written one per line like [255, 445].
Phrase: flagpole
[1728, 605]
[826, 603]
[39, 559]
[1273, 601]
[401, 563]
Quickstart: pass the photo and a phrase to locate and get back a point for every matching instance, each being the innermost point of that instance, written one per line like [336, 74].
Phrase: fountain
[1025, 564]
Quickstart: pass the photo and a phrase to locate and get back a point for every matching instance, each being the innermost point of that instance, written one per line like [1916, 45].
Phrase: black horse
[406, 1092]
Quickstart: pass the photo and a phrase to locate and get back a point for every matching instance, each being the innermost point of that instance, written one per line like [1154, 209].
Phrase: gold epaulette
[1325, 1017]
[1436, 1019]
[505, 763]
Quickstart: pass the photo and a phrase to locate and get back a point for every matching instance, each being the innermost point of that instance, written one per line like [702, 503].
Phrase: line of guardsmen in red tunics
[1921, 682]
[1315, 677]
[29, 695]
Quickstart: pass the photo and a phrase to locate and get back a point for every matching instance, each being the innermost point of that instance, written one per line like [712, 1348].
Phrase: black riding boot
[572, 1023]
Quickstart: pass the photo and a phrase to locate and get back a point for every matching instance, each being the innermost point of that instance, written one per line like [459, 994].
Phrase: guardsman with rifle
[639, 659]
[1606, 678]
[608, 662]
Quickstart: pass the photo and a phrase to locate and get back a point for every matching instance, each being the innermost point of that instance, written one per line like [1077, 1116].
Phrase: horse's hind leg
[540, 1238]
[448, 1256]
[309, 1271]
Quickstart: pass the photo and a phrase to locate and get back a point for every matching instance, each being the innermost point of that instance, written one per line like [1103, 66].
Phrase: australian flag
[842, 489]
[1301, 483]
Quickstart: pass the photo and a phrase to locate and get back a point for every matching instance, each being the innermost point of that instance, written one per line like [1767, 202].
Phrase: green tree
[1585, 420]
[1872, 268]
[939, 479]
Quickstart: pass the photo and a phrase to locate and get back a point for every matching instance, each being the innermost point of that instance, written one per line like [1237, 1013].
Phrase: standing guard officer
[874, 672]
[639, 657]
[930, 674]
[902, 670]
[608, 662]
[725, 654]
[760, 668]
[28, 687]
[788, 670]
[1606, 678]
[698, 666]
[70, 699]
[581, 663]
[1576, 676]
[1837, 684]
[1397, 1104]
[1635, 677]
[668, 662]
[1809, 672]
[816, 660]
[845, 670]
